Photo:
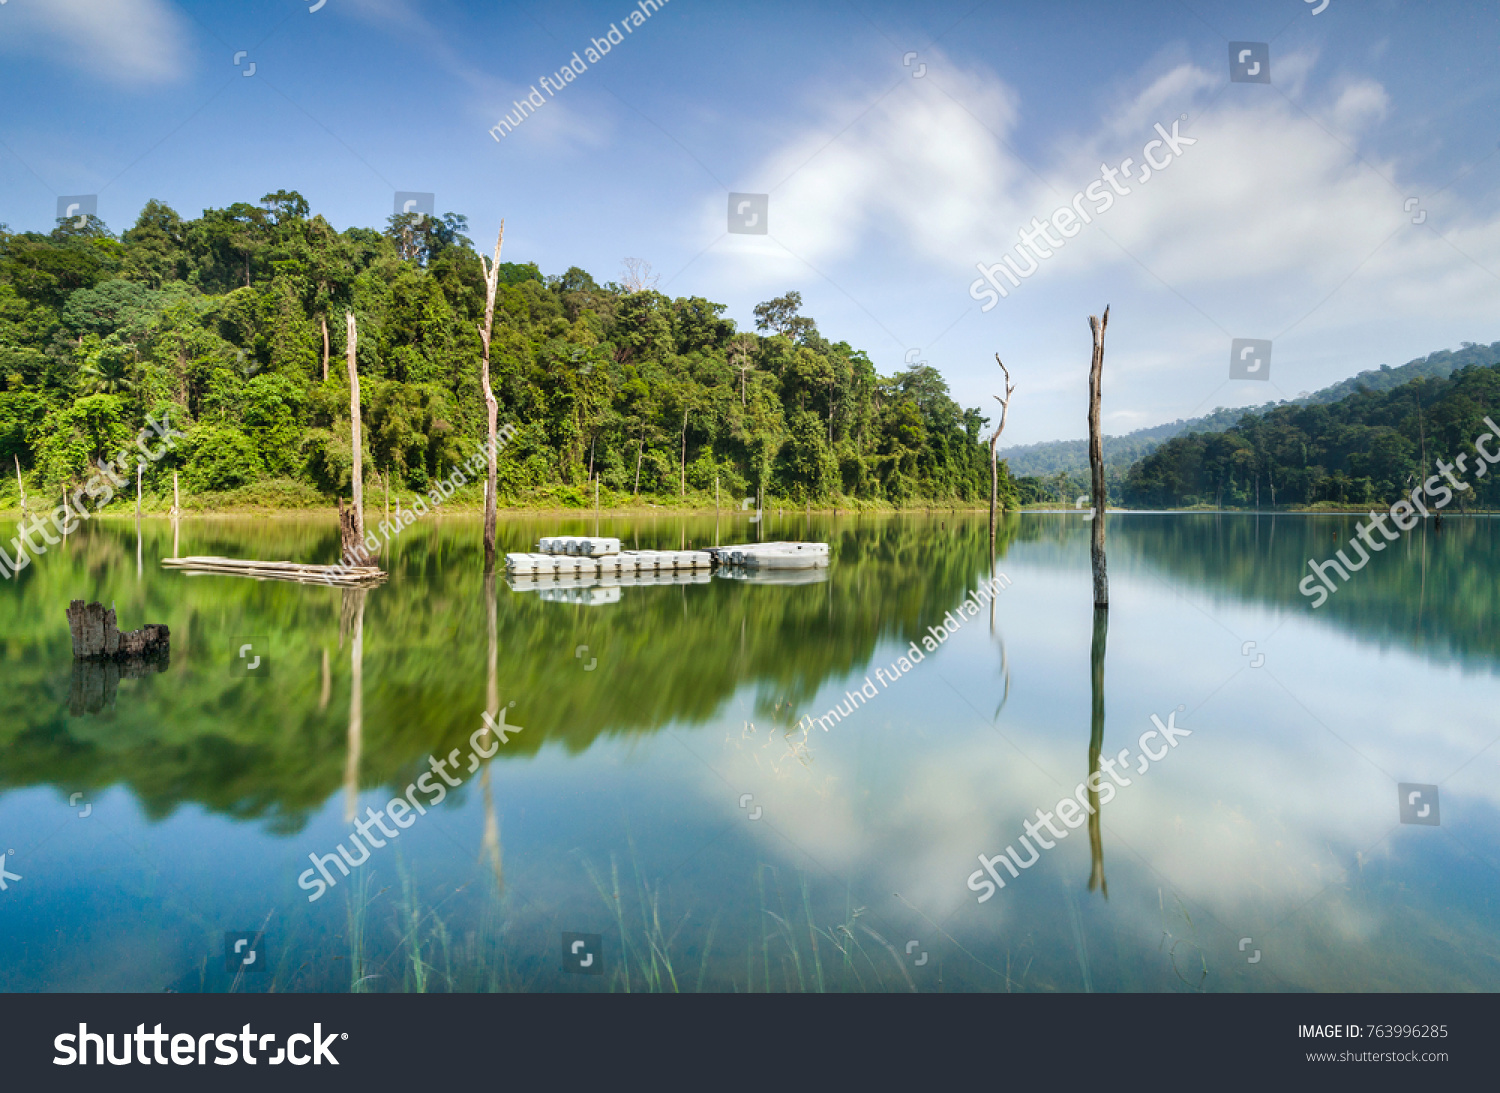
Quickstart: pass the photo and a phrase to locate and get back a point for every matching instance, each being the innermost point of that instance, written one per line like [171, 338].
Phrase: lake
[660, 810]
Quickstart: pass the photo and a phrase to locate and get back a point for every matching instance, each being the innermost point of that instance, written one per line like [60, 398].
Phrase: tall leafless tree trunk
[994, 441]
[491, 406]
[324, 320]
[739, 357]
[682, 464]
[20, 486]
[1096, 461]
[640, 447]
[356, 440]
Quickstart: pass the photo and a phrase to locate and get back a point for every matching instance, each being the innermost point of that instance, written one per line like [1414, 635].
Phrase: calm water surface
[663, 793]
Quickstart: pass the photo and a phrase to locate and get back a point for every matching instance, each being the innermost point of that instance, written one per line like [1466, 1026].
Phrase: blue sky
[1286, 220]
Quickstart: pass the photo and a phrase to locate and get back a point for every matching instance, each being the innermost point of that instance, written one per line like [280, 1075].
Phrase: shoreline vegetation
[474, 507]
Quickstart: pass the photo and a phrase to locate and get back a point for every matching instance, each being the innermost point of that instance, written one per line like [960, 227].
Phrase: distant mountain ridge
[1051, 457]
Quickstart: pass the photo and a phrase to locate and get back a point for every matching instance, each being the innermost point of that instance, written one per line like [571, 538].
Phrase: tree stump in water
[96, 637]
[352, 548]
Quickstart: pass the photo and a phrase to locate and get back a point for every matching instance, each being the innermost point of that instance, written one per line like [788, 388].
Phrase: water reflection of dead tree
[352, 618]
[1096, 746]
[1004, 659]
[491, 840]
[1096, 461]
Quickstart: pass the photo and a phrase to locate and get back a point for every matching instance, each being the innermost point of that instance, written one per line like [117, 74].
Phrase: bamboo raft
[337, 576]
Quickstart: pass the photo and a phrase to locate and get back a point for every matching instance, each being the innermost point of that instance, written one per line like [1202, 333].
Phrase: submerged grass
[784, 945]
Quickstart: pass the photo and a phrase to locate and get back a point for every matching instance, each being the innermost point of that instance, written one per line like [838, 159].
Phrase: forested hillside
[1070, 458]
[234, 324]
[1368, 448]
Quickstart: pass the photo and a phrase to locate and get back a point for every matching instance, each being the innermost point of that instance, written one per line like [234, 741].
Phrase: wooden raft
[338, 576]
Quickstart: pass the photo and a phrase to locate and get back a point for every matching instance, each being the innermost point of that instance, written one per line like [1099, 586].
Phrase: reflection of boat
[589, 595]
[784, 559]
[609, 582]
[813, 575]
[635, 561]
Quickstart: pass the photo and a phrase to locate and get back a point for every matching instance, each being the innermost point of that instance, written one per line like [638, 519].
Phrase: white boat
[784, 556]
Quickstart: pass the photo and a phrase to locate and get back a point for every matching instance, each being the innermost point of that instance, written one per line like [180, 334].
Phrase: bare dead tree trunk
[1096, 461]
[682, 466]
[356, 441]
[324, 320]
[640, 447]
[20, 486]
[994, 441]
[491, 404]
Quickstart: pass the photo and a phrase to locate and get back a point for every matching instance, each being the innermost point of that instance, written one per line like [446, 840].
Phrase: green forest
[1061, 467]
[233, 324]
[1367, 448]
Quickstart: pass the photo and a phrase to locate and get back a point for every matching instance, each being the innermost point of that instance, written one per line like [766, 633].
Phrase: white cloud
[1362, 103]
[116, 41]
[1286, 201]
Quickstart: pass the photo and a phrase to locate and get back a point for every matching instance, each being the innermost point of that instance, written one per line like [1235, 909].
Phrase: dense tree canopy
[1368, 448]
[227, 322]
